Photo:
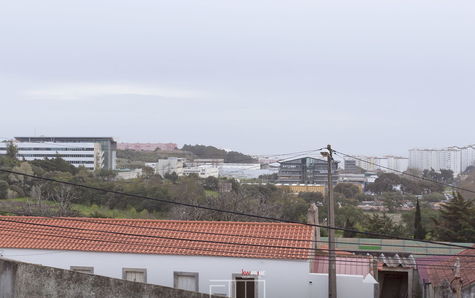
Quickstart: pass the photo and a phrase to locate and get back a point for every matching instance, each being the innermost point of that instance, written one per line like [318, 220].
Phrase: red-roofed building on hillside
[147, 146]
[233, 259]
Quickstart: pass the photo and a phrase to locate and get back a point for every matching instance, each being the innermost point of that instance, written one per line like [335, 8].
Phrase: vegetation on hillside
[202, 151]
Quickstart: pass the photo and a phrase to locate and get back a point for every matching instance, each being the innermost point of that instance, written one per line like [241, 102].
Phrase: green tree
[12, 150]
[349, 190]
[392, 201]
[312, 197]
[457, 220]
[3, 189]
[55, 164]
[211, 183]
[349, 225]
[419, 232]
[386, 182]
[383, 224]
[173, 177]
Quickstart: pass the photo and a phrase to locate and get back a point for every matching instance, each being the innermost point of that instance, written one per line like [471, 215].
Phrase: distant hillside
[135, 159]
[202, 151]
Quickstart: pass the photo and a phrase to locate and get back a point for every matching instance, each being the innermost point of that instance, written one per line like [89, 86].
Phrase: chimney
[312, 219]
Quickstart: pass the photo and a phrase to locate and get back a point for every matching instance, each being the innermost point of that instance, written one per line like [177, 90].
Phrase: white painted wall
[282, 278]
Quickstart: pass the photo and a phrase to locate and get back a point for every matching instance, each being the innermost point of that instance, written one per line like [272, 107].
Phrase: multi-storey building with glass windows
[306, 170]
[88, 155]
[107, 145]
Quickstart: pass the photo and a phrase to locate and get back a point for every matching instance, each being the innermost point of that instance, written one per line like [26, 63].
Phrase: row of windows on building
[81, 162]
[54, 155]
[243, 286]
[56, 149]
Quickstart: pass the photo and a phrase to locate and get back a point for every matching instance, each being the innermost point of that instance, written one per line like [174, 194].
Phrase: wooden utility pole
[331, 224]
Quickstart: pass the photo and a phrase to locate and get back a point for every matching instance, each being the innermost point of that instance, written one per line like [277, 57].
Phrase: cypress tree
[350, 226]
[419, 232]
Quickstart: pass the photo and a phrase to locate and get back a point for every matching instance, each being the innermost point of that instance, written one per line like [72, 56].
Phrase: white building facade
[457, 159]
[88, 155]
[263, 260]
[210, 275]
[107, 144]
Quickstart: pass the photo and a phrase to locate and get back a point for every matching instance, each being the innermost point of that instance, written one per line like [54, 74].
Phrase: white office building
[88, 155]
[107, 145]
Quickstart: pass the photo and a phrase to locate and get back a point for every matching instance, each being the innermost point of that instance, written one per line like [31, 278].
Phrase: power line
[311, 249]
[247, 254]
[222, 210]
[290, 153]
[404, 173]
[89, 220]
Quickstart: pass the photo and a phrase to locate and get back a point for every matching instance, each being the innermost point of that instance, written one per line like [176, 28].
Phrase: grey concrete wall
[23, 280]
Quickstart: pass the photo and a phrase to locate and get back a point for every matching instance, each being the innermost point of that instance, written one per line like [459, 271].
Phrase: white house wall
[278, 278]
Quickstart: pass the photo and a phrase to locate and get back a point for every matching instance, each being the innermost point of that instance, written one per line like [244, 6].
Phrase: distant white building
[88, 155]
[384, 163]
[170, 165]
[206, 161]
[467, 157]
[457, 159]
[127, 174]
[152, 165]
[107, 145]
[244, 170]
[204, 171]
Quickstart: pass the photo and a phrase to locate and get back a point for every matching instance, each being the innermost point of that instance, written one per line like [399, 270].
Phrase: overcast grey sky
[263, 76]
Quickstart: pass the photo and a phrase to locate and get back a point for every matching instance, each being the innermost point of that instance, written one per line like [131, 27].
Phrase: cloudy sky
[368, 76]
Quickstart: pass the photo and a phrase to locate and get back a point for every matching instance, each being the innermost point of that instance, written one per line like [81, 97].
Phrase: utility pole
[457, 281]
[331, 224]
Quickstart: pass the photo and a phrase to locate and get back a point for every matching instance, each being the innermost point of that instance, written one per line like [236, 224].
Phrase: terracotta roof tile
[164, 237]
[442, 270]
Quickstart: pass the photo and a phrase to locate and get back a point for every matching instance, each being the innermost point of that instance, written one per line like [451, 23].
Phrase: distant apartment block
[386, 163]
[351, 167]
[107, 145]
[306, 170]
[147, 146]
[88, 155]
[457, 159]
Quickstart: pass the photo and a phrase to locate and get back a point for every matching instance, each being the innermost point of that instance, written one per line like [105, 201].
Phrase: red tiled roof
[345, 264]
[440, 270]
[164, 237]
